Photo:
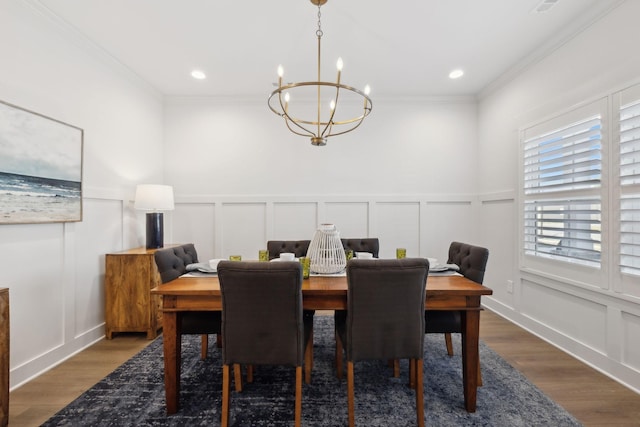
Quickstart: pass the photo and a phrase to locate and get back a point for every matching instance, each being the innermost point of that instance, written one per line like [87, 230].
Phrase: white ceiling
[399, 48]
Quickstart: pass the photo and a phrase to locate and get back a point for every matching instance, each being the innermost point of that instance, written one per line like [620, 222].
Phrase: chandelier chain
[319, 32]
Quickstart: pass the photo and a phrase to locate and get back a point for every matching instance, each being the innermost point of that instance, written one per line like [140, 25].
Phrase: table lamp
[154, 198]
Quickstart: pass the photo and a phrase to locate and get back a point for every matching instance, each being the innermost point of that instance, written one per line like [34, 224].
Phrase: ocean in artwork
[32, 199]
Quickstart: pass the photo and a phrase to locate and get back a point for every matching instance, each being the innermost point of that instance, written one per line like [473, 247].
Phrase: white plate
[437, 268]
[278, 259]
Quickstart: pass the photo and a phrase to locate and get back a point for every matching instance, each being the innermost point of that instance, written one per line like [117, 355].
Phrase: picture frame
[40, 168]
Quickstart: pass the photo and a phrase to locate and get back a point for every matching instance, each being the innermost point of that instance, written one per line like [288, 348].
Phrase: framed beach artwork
[40, 168]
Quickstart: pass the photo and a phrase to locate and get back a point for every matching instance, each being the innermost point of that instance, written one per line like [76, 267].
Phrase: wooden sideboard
[129, 306]
[4, 357]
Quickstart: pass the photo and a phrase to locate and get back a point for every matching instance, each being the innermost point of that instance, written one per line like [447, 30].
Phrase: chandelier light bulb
[339, 64]
[280, 71]
[332, 105]
[367, 90]
[287, 97]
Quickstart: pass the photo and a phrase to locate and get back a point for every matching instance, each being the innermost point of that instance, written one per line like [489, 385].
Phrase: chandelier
[320, 122]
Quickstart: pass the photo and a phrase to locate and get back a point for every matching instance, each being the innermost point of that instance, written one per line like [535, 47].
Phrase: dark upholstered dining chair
[172, 263]
[297, 247]
[472, 261]
[366, 244]
[262, 321]
[385, 319]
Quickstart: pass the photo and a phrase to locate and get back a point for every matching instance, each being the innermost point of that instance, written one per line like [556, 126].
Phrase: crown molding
[80, 40]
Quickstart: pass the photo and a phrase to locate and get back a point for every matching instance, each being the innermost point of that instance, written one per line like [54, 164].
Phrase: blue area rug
[133, 395]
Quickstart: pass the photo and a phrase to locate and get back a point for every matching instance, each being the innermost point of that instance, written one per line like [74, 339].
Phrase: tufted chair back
[371, 245]
[172, 262]
[297, 247]
[472, 260]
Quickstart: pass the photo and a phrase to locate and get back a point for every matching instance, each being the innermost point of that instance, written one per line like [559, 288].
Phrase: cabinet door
[127, 284]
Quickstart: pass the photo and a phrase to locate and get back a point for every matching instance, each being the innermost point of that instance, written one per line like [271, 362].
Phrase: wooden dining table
[202, 293]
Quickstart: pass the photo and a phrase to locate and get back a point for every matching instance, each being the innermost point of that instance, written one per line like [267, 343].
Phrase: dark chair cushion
[297, 247]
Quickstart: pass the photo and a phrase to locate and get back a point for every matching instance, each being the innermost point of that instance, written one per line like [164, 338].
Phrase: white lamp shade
[152, 197]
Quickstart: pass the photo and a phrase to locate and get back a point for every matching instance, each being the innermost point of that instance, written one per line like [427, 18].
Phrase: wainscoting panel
[350, 218]
[243, 229]
[561, 310]
[397, 225]
[293, 221]
[193, 223]
[425, 226]
[445, 222]
[88, 292]
[631, 332]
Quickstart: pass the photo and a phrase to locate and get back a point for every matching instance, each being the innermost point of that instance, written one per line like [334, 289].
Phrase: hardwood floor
[591, 397]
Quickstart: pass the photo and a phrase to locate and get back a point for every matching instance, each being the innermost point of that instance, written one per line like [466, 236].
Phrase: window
[630, 188]
[562, 171]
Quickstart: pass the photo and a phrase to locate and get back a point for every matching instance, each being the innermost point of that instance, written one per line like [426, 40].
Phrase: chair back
[472, 260]
[385, 316]
[261, 313]
[172, 262]
[371, 245]
[297, 247]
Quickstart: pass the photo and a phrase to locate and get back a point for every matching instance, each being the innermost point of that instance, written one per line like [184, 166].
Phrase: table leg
[470, 341]
[172, 352]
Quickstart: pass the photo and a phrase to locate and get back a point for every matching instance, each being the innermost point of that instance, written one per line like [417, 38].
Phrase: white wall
[595, 323]
[406, 176]
[55, 271]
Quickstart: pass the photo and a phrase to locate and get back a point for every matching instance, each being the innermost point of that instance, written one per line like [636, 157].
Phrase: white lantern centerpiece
[326, 251]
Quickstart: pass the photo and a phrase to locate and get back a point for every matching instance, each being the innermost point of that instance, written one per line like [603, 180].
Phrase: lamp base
[155, 230]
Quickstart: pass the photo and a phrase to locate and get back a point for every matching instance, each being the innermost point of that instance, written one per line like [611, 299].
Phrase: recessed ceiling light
[197, 74]
[456, 74]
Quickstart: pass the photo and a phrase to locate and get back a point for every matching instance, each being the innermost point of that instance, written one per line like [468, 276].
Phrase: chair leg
[412, 373]
[308, 360]
[219, 340]
[237, 377]
[417, 363]
[298, 410]
[205, 346]
[249, 373]
[338, 357]
[479, 373]
[396, 368]
[226, 391]
[350, 396]
[449, 344]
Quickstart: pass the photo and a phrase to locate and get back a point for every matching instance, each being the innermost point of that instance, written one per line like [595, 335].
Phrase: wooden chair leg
[205, 346]
[237, 377]
[338, 357]
[479, 373]
[249, 373]
[298, 410]
[412, 373]
[419, 391]
[226, 391]
[449, 344]
[396, 368]
[350, 396]
[308, 360]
